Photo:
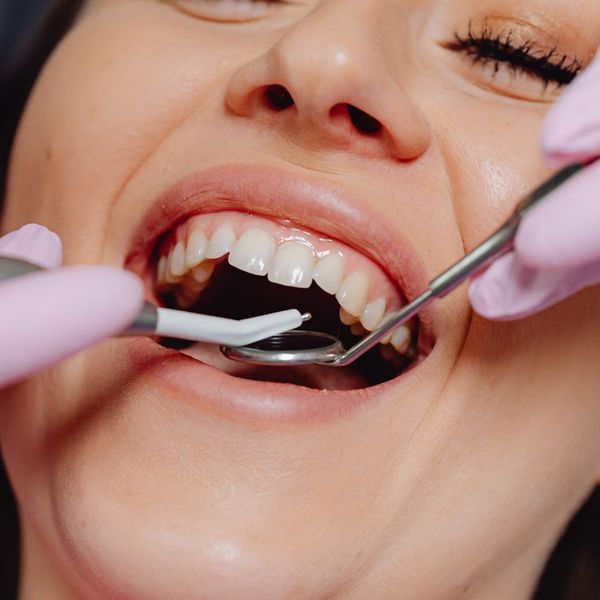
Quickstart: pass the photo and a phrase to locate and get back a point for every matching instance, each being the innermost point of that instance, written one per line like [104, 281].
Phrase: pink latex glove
[47, 316]
[557, 247]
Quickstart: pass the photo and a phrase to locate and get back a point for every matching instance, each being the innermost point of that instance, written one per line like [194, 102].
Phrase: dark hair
[29, 30]
[32, 29]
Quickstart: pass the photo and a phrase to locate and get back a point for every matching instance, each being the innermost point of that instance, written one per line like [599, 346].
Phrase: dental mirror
[311, 347]
[290, 347]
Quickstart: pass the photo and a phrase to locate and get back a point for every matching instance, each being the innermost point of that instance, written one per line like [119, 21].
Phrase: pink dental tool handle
[50, 315]
[164, 322]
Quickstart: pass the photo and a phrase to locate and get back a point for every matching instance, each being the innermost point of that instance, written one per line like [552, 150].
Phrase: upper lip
[281, 194]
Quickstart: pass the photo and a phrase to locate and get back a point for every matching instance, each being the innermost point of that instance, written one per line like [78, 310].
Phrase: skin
[457, 488]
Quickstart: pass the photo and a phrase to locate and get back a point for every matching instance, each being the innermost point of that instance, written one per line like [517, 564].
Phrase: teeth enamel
[221, 242]
[190, 266]
[161, 273]
[346, 318]
[189, 283]
[401, 339]
[177, 260]
[373, 313]
[354, 292]
[329, 272]
[195, 251]
[293, 265]
[387, 339]
[169, 276]
[253, 252]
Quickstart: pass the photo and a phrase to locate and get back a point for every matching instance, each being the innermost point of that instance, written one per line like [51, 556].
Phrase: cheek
[502, 183]
[100, 110]
[493, 157]
[24, 413]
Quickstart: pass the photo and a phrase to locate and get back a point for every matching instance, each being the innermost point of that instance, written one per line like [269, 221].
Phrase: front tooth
[373, 313]
[354, 292]
[221, 242]
[401, 339]
[177, 260]
[329, 272]
[253, 252]
[293, 265]
[195, 251]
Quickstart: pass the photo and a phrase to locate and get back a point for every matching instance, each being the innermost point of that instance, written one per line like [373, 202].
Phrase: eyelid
[523, 31]
[507, 62]
[225, 11]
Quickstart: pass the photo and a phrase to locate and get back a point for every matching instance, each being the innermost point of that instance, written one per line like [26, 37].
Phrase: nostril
[364, 122]
[278, 97]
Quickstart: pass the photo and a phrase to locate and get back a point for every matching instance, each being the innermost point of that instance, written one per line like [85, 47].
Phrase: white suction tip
[229, 332]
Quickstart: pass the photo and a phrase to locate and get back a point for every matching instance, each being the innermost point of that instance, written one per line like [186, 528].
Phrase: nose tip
[326, 87]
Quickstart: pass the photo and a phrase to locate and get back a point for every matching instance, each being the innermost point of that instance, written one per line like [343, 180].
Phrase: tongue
[312, 376]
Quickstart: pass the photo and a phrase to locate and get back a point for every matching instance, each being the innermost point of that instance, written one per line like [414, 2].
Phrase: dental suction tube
[164, 322]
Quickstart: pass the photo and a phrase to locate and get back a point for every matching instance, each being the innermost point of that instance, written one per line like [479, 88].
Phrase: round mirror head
[288, 349]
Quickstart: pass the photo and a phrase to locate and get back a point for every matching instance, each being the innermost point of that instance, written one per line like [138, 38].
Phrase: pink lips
[203, 387]
[269, 192]
[273, 192]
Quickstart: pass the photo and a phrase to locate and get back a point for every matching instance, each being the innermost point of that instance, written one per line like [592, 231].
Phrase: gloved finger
[33, 243]
[49, 315]
[562, 232]
[572, 128]
[510, 290]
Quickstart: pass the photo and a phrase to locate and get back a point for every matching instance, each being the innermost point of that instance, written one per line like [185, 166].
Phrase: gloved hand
[49, 315]
[557, 247]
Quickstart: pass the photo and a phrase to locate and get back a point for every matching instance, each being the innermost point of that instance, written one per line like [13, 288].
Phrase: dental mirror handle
[164, 322]
[498, 244]
[501, 241]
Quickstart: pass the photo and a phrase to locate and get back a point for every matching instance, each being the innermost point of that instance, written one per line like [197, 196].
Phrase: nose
[325, 83]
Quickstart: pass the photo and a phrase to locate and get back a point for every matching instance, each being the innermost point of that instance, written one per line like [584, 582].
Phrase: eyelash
[548, 66]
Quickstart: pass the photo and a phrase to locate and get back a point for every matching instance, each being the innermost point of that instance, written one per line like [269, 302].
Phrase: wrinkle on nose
[329, 86]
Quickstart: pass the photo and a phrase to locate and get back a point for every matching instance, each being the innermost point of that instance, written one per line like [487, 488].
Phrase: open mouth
[239, 264]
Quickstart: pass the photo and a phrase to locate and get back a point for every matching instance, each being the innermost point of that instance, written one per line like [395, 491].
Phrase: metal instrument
[310, 347]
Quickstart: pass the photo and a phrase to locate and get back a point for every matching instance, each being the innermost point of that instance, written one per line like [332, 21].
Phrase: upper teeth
[222, 241]
[328, 272]
[287, 257]
[253, 252]
[293, 265]
[197, 246]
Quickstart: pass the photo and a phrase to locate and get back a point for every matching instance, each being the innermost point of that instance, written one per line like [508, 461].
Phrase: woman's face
[143, 473]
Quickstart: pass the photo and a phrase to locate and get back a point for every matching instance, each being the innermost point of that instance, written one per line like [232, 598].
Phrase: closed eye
[498, 48]
[226, 10]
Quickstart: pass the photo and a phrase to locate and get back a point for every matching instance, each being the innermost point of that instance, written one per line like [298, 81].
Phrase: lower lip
[209, 389]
